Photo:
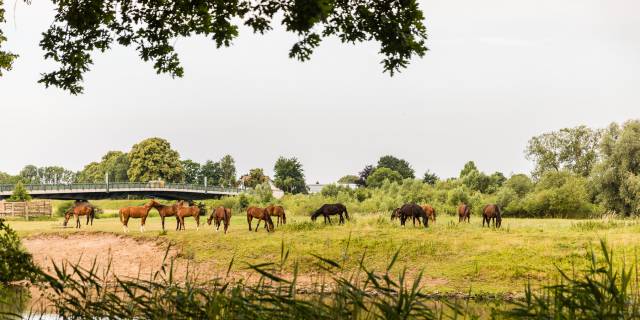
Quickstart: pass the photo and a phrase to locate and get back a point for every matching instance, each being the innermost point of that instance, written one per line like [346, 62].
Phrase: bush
[19, 193]
[62, 207]
[15, 263]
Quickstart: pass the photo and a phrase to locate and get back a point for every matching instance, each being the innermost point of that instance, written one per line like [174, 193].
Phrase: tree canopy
[382, 174]
[153, 159]
[254, 178]
[82, 28]
[289, 175]
[192, 173]
[400, 166]
[19, 193]
[6, 58]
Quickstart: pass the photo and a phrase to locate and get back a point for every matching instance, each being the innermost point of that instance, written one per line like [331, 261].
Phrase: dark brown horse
[430, 211]
[80, 208]
[141, 212]
[464, 213]
[168, 211]
[491, 212]
[414, 211]
[395, 214]
[188, 211]
[220, 214]
[277, 211]
[260, 214]
[328, 210]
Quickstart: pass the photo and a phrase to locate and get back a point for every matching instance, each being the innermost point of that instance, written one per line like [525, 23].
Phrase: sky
[498, 72]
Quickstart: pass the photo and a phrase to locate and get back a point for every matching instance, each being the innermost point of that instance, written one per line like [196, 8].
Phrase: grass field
[456, 258]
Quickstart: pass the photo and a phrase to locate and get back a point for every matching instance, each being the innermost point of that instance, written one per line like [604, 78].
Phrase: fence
[26, 209]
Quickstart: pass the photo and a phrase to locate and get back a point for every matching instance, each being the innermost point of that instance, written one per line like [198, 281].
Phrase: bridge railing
[114, 186]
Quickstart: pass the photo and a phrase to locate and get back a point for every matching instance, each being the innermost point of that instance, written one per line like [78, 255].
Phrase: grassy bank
[455, 257]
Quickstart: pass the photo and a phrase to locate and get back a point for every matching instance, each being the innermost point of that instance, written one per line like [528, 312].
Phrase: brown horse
[277, 211]
[260, 214]
[330, 210]
[220, 214]
[168, 211]
[430, 211]
[80, 208]
[141, 212]
[492, 212]
[414, 211]
[395, 214]
[464, 213]
[187, 211]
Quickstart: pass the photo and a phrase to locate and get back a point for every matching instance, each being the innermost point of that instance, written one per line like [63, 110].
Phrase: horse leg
[257, 225]
[78, 224]
[162, 218]
[197, 222]
[249, 218]
[125, 224]
[226, 225]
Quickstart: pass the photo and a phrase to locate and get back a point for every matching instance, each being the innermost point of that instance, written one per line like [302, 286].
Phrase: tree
[380, 175]
[573, 149]
[153, 159]
[617, 177]
[211, 170]
[6, 178]
[289, 175]
[6, 58]
[520, 183]
[191, 172]
[477, 181]
[81, 29]
[364, 174]
[19, 193]
[115, 163]
[264, 193]
[348, 179]
[92, 173]
[468, 168]
[254, 178]
[430, 178]
[29, 174]
[400, 166]
[228, 171]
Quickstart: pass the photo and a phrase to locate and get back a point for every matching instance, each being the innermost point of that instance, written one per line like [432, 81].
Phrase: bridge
[120, 190]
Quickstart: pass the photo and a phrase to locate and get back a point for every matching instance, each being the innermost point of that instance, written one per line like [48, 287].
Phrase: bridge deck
[94, 191]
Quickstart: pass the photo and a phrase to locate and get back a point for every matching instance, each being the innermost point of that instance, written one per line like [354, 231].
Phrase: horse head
[67, 216]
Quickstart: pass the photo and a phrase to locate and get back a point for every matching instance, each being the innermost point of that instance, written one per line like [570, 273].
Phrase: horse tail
[121, 215]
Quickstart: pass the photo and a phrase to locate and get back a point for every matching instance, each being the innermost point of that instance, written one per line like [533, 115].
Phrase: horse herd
[222, 216]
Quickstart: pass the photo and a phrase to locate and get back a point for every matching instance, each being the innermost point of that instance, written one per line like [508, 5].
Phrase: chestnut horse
[414, 211]
[220, 214]
[187, 211]
[141, 212]
[330, 210]
[464, 213]
[168, 211]
[277, 211]
[491, 212]
[430, 211]
[80, 208]
[260, 214]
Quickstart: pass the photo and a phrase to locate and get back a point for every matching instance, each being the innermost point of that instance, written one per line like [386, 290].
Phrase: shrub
[19, 193]
[15, 263]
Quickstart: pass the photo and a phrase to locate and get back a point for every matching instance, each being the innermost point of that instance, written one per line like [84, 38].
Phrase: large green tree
[382, 174]
[617, 177]
[116, 163]
[400, 166]
[83, 28]
[228, 171]
[6, 58]
[152, 159]
[349, 179]
[29, 174]
[573, 149]
[211, 170]
[364, 174]
[192, 172]
[289, 175]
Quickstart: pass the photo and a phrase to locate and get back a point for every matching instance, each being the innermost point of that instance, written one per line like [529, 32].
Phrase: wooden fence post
[26, 210]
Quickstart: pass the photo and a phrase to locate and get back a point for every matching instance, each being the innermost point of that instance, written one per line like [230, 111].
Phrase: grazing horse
[168, 211]
[220, 214]
[395, 214]
[141, 212]
[330, 210]
[414, 211]
[277, 211]
[491, 212]
[464, 213]
[260, 214]
[80, 208]
[430, 211]
[188, 211]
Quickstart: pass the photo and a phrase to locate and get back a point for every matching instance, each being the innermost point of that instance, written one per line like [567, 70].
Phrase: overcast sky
[497, 73]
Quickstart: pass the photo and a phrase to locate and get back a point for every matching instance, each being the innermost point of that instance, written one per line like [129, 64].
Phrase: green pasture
[455, 257]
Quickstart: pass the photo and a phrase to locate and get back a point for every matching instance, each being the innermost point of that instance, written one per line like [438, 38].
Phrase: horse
[260, 214]
[277, 211]
[491, 212]
[220, 214]
[330, 210]
[168, 211]
[395, 214]
[464, 213]
[188, 211]
[430, 211]
[80, 209]
[414, 211]
[141, 212]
